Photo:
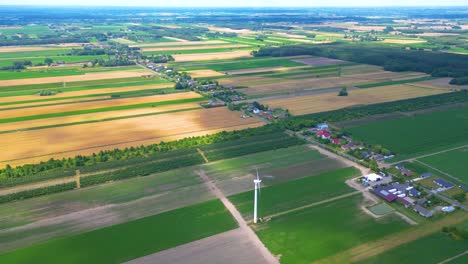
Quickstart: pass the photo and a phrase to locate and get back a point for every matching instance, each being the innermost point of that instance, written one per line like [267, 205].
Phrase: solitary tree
[343, 92]
[48, 61]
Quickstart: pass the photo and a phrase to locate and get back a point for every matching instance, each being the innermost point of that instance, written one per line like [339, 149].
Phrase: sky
[239, 3]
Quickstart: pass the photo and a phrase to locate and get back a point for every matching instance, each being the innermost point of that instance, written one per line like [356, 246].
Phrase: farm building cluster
[412, 194]
[263, 111]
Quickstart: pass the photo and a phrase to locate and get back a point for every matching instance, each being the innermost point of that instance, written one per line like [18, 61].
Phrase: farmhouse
[323, 134]
[443, 184]
[414, 193]
[406, 172]
[423, 211]
[336, 141]
[425, 175]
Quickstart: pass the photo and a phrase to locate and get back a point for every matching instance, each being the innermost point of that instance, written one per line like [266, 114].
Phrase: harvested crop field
[298, 85]
[175, 48]
[77, 78]
[268, 86]
[320, 61]
[213, 56]
[439, 83]
[204, 73]
[404, 41]
[262, 69]
[86, 92]
[22, 125]
[22, 48]
[34, 104]
[178, 44]
[58, 142]
[330, 101]
[98, 104]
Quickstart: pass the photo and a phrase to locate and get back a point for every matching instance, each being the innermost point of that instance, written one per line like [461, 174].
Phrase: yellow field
[196, 47]
[178, 44]
[98, 104]
[331, 101]
[404, 41]
[77, 78]
[124, 41]
[230, 30]
[16, 126]
[22, 48]
[213, 56]
[65, 101]
[204, 73]
[38, 145]
[86, 92]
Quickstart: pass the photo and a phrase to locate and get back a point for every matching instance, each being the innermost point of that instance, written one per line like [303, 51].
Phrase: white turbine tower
[257, 182]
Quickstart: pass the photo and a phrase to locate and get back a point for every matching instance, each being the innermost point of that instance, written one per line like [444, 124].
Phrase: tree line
[438, 64]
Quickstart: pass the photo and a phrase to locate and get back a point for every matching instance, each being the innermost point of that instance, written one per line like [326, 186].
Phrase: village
[395, 185]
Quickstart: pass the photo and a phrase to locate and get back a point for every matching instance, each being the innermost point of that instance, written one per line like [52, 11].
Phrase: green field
[315, 233]
[430, 249]
[78, 86]
[131, 240]
[296, 193]
[419, 134]
[59, 71]
[452, 162]
[66, 59]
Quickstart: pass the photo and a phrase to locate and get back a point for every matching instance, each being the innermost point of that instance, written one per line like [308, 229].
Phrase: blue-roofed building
[443, 183]
[426, 175]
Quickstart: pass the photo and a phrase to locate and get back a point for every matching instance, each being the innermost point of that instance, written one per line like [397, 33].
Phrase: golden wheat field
[58, 142]
[204, 73]
[94, 105]
[212, 56]
[77, 78]
[64, 120]
[195, 47]
[309, 104]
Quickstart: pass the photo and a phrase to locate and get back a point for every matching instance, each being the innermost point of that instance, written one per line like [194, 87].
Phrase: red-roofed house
[336, 141]
[323, 134]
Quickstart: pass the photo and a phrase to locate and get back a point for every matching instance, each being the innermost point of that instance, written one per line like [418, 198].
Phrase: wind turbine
[257, 182]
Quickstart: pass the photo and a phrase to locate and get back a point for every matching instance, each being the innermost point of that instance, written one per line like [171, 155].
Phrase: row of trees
[128, 153]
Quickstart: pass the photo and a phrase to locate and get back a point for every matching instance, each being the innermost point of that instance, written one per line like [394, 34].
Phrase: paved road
[246, 230]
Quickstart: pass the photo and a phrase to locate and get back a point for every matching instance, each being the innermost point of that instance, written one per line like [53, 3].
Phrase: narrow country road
[249, 233]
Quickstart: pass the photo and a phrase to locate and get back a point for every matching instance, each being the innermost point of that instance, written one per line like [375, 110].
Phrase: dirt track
[247, 232]
[226, 248]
